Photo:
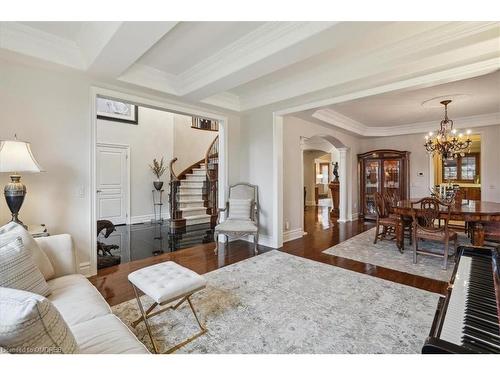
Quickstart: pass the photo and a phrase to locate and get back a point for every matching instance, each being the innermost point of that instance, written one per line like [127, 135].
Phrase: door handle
[99, 191]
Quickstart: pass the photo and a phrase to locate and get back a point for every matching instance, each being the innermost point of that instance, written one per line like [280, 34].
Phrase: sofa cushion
[13, 230]
[77, 299]
[106, 335]
[30, 324]
[18, 271]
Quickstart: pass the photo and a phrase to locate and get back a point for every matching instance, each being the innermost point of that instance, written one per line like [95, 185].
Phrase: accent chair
[241, 214]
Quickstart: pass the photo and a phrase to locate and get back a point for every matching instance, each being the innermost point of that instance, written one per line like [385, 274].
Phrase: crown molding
[338, 120]
[26, 40]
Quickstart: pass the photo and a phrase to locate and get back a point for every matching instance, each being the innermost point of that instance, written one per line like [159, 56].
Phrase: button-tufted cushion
[166, 281]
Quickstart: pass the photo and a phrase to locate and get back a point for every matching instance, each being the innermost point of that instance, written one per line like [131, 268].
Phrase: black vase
[158, 185]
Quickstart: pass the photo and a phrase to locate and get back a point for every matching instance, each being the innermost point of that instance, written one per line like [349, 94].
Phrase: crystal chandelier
[446, 141]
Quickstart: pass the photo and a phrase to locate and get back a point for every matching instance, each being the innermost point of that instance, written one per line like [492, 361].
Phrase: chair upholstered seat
[237, 226]
[166, 281]
[436, 235]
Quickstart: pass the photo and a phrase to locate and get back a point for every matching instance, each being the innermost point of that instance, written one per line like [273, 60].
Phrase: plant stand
[157, 206]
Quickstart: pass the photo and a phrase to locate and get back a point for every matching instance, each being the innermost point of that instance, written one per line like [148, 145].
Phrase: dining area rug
[386, 254]
[281, 303]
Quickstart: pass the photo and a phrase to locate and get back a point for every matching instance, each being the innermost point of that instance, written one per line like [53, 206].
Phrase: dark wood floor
[321, 234]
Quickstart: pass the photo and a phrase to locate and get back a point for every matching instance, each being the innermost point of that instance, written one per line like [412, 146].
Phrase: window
[463, 168]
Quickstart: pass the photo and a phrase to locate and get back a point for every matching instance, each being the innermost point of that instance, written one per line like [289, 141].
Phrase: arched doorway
[326, 151]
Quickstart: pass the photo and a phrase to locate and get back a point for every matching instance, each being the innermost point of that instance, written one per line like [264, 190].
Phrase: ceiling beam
[270, 47]
[113, 47]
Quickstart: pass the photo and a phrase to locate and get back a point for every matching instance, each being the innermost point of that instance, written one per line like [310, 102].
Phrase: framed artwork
[113, 110]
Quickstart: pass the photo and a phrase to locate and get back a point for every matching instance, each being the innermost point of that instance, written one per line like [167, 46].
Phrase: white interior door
[112, 183]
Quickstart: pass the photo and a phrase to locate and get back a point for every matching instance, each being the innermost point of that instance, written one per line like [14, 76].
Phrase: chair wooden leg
[216, 238]
[376, 234]
[415, 249]
[446, 248]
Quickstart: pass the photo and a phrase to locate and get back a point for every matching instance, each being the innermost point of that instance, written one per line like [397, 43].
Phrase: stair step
[191, 203]
[197, 219]
[195, 177]
[190, 211]
[191, 184]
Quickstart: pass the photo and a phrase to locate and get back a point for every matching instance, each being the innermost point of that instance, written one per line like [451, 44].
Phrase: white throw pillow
[13, 230]
[30, 324]
[18, 271]
[239, 209]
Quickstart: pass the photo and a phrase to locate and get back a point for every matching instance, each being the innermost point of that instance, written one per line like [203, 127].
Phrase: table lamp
[16, 157]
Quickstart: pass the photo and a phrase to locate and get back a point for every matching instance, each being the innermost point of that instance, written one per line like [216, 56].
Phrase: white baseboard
[146, 218]
[293, 234]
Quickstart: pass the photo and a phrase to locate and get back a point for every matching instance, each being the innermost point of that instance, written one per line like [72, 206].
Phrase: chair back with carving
[391, 200]
[429, 214]
[380, 205]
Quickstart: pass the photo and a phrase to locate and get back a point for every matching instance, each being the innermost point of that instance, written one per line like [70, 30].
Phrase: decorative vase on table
[158, 184]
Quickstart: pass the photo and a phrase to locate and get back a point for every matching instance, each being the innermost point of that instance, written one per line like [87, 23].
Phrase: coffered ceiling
[353, 75]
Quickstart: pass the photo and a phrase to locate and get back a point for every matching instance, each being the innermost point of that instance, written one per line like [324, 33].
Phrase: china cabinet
[383, 171]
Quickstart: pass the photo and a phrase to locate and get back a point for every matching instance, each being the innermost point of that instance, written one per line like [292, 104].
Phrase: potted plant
[158, 169]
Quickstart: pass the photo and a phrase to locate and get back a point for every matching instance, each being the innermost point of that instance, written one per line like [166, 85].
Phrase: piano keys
[468, 318]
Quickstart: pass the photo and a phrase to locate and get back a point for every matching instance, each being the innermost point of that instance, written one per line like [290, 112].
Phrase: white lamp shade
[16, 156]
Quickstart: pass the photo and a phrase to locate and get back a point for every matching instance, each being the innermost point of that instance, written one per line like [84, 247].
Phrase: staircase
[193, 192]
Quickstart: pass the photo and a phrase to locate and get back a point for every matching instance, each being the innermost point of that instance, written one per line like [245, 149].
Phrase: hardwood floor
[112, 282]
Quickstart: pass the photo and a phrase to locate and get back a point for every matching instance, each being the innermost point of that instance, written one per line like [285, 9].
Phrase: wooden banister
[213, 150]
[173, 176]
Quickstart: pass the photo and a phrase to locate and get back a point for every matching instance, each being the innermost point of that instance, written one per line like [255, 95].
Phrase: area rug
[386, 254]
[281, 303]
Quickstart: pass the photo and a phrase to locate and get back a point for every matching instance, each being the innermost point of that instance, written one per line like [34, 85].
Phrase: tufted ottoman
[165, 283]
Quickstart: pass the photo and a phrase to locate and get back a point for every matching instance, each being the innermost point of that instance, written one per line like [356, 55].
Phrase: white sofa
[89, 317]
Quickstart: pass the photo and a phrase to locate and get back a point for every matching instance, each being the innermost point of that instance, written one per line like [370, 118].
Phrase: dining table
[474, 213]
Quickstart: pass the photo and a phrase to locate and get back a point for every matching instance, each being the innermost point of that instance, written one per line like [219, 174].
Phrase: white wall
[190, 145]
[256, 164]
[152, 137]
[419, 160]
[51, 109]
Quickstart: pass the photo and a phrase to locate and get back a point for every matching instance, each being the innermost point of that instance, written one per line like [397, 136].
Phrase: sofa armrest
[61, 253]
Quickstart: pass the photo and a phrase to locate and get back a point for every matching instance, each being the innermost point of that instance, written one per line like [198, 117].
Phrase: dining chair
[406, 222]
[390, 225]
[425, 228]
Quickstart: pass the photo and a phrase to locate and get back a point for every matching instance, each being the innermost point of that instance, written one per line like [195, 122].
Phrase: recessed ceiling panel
[189, 43]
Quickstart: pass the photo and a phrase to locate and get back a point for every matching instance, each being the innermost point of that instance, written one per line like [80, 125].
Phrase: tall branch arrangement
[158, 168]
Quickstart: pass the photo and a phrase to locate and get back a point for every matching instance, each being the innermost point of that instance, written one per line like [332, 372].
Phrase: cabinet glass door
[392, 177]
[372, 185]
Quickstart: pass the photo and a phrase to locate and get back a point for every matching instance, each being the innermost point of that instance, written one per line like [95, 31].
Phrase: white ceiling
[362, 77]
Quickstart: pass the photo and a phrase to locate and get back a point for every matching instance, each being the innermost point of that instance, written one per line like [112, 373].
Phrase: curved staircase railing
[212, 166]
[209, 190]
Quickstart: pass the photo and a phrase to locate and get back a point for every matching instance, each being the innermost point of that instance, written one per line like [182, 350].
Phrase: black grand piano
[467, 319]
